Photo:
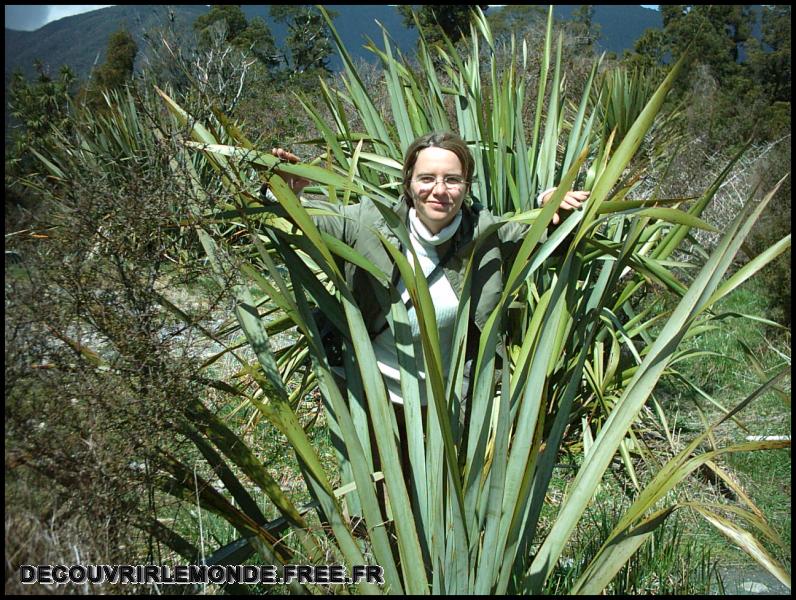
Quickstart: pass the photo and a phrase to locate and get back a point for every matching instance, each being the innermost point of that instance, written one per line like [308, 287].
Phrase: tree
[582, 25]
[649, 50]
[116, 71]
[452, 20]
[771, 66]
[259, 40]
[715, 34]
[308, 40]
[119, 61]
[725, 99]
[254, 37]
[230, 15]
[36, 108]
[43, 103]
[517, 19]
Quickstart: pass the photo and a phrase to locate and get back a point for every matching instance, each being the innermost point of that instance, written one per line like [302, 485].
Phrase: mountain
[80, 40]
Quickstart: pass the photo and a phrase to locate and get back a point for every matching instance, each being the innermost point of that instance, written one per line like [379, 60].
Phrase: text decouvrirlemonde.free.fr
[201, 574]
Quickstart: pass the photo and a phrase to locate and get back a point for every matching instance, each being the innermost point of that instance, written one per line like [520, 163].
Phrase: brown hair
[437, 139]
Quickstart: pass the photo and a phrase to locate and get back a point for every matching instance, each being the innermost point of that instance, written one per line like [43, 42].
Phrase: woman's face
[437, 204]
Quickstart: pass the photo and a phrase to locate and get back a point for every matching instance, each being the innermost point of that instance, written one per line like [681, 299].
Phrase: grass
[666, 564]
[729, 378]
[669, 563]
[767, 477]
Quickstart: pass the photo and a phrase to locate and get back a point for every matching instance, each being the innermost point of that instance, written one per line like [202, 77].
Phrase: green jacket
[357, 225]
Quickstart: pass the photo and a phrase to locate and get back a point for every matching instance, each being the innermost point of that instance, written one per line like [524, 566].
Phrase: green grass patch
[744, 354]
[667, 564]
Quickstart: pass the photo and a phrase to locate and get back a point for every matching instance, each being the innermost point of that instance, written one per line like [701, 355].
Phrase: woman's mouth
[438, 204]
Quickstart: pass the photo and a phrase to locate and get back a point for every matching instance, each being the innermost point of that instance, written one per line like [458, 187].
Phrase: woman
[437, 172]
[443, 227]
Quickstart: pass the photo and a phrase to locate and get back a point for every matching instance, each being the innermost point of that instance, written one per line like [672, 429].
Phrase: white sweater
[446, 303]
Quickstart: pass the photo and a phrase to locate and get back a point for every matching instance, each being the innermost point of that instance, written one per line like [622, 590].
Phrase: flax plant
[468, 521]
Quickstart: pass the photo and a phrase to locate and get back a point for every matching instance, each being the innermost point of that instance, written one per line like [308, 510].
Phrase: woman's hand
[296, 183]
[572, 201]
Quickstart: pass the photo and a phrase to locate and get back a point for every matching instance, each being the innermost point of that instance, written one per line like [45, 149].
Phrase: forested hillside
[54, 44]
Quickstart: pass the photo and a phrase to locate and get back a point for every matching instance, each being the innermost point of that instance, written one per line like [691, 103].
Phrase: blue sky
[28, 17]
